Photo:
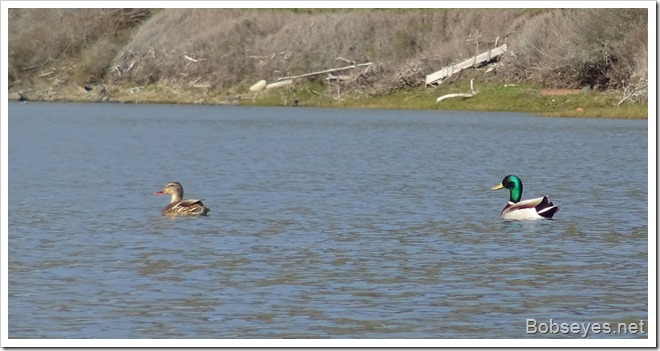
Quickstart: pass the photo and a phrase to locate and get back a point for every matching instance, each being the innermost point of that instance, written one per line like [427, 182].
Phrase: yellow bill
[498, 186]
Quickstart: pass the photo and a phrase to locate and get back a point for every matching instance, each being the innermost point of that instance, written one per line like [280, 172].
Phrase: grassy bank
[491, 96]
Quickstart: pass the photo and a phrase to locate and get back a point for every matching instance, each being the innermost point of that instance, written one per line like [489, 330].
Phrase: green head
[514, 184]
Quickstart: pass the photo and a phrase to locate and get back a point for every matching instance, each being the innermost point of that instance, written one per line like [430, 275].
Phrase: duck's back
[190, 207]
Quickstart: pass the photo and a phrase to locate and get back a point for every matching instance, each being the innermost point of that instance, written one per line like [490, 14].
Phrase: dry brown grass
[570, 48]
[223, 48]
[49, 38]
[243, 45]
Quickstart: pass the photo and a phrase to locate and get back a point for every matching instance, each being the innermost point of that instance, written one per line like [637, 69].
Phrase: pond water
[324, 223]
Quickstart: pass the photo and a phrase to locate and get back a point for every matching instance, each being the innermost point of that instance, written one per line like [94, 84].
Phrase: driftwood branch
[347, 61]
[325, 71]
[189, 58]
[332, 78]
[449, 96]
[631, 91]
[463, 95]
[31, 67]
[445, 72]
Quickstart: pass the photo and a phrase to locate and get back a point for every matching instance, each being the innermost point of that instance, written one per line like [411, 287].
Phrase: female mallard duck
[178, 206]
[538, 208]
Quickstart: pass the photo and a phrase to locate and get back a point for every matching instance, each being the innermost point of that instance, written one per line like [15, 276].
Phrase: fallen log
[279, 84]
[260, 85]
[488, 56]
[284, 81]
[325, 71]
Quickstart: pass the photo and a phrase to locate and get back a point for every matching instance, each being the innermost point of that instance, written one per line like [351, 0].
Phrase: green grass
[490, 97]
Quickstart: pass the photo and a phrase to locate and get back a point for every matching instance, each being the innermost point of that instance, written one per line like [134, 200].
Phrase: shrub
[571, 48]
[41, 37]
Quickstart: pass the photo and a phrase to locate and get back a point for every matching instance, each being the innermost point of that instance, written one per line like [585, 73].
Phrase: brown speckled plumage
[180, 207]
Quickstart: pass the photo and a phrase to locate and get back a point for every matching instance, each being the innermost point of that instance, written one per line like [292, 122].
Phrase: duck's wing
[537, 208]
[188, 207]
[189, 202]
[525, 204]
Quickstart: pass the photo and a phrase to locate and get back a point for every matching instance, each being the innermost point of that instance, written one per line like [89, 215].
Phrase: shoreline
[488, 96]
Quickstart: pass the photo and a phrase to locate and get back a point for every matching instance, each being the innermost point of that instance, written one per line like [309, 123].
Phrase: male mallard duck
[179, 207]
[538, 208]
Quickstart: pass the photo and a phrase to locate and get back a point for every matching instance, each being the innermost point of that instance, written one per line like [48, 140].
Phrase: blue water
[324, 223]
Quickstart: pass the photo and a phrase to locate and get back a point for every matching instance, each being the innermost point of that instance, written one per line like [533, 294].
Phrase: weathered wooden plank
[473, 61]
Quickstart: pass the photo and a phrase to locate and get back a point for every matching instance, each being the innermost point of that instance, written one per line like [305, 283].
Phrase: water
[323, 224]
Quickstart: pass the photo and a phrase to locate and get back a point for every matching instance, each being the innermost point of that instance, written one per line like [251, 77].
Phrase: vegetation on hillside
[228, 50]
[51, 39]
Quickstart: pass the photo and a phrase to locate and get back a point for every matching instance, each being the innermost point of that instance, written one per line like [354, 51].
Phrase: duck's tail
[546, 208]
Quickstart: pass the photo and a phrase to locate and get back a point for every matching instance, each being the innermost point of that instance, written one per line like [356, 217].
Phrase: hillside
[213, 54]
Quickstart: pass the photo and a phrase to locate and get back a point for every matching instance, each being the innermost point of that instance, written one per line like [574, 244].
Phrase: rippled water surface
[323, 224]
